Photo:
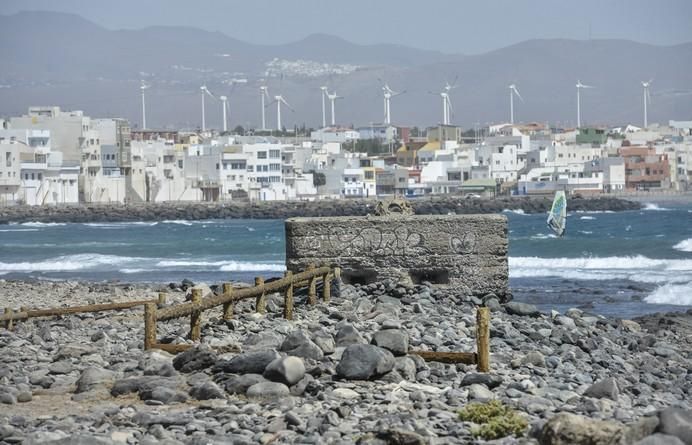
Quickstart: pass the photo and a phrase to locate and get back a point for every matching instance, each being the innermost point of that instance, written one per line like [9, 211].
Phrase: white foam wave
[679, 294]
[684, 245]
[515, 211]
[18, 230]
[594, 211]
[544, 236]
[655, 207]
[121, 225]
[178, 221]
[587, 217]
[586, 232]
[635, 268]
[66, 263]
[135, 270]
[41, 224]
[224, 266]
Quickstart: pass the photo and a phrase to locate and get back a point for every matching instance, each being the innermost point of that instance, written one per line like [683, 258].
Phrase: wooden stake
[149, 325]
[327, 287]
[288, 297]
[468, 358]
[162, 298]
[483, 338]
[312, 291]
[196, 316]
[228, 307]
[8, 323]
[261, 300]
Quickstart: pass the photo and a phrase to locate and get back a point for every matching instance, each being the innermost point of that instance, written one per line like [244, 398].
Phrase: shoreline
[288, 209]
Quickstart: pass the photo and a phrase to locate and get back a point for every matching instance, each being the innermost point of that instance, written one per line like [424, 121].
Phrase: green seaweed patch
[494, 420]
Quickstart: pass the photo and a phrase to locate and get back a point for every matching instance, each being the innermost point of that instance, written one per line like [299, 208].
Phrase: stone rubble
[341, 372]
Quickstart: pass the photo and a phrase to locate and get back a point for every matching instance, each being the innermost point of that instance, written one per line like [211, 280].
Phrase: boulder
[521, 309]
[604, 388]
[247, 363]
[288, 370]
[92, 378]
[206, 391]
[195, 359]
[660, 439]
[393, 340]
[571, 429]
[348, 335]
[676, 422]
[362, 362]
[238, 384]
[267, 390]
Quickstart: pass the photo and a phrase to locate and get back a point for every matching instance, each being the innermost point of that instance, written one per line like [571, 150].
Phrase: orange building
[645, 169]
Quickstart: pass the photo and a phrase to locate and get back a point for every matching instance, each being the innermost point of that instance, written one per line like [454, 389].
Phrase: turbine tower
[647, 99]
[512, 91]
[204, 90]
[263, 93]
[280, 100]
[388, 94]
[224, 99]
[332, 98]
[579, 88]
[325, 93]
[143, 87]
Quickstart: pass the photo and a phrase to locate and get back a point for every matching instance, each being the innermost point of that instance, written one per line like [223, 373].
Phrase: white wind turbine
[325, 93]
[512, 91]
[332, 98]
[143, 87]
[388, 94]
[204, 90]
[579, 88]
[647, 99]
[280, 100]
[263, 94]
[224, 104]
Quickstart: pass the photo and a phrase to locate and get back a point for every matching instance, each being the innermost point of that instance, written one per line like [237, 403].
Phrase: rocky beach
[341, 372]
[438, 205]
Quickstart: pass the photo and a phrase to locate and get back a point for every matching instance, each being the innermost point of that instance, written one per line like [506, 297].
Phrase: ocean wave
[182, 222]
[515, 211]
[19, 230]
[636, 268]
[586, 232]
[41, 224]
[594, 211]
[224, 265]
[684, 245]
[679, 294]
[587, 217]
[655, 207]
[543, 236]
[134, 270]
[66, 263]
[121, 225]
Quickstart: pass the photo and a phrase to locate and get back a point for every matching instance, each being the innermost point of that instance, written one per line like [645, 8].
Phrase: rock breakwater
[289, 209]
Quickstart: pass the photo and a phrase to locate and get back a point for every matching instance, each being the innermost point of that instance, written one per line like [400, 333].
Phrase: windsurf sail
[557, 217]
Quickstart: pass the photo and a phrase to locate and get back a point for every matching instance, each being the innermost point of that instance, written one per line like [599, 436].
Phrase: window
[8, 159]
[217, 165]
[274, 167]
[251, 168]
[274, 154]
[40, 176]
[369, 175]
[180, 163]
[238, 165]
[261, 155]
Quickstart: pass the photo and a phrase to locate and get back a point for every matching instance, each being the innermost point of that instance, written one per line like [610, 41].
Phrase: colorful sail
[557, 218]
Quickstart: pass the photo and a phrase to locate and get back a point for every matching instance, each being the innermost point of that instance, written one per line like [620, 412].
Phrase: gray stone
[604, 388]
[263, 341]
[362, 362]
[207, 391]
[267, 390]
[24, 396]
[7, 398]
[195, 359]
[288, 370]
[324, 341]
[238, 384]
[489, 380]
[406, 367]
[480, 393]
[393, 340]
[93, 377]
[247, 363]
[521, 309]
[61, 367]
[348, 335]
[571, 429]
[534, 358]
[163, 394]
[676, 422]
[660, 439]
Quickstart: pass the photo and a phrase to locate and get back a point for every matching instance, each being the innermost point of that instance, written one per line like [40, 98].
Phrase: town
[53, 156]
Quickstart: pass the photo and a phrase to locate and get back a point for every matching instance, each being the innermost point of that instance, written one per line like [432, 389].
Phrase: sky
[450, 26]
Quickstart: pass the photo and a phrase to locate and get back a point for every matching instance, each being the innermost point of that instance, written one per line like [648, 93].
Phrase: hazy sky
[445, 25]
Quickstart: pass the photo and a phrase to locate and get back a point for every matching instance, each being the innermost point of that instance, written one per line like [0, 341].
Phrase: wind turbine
[224, 101]
[263, 93]
[332, 98]
[143, 87]
[579, 88]
[388, 94]
[512, 91]
[647, 98]
[279, 100]
[204, 90]
[325, 93]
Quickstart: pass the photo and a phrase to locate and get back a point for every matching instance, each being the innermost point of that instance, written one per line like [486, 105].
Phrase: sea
[621, 264]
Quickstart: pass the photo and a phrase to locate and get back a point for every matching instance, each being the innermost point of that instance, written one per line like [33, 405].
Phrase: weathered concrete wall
[468, 252]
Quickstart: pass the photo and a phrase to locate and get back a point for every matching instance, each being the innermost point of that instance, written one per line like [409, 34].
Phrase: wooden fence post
[288, 297]
[149, 325]
[483, 338]
[228, 307]
[196, 317]
[8, 323]
[162, 298]
[326, 287]
[261, 301]
[312, 291]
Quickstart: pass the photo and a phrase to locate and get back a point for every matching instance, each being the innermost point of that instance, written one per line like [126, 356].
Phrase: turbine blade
[518, 95]
[449, 104]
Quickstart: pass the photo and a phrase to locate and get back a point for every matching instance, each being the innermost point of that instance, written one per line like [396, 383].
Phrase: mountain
[56, 58]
